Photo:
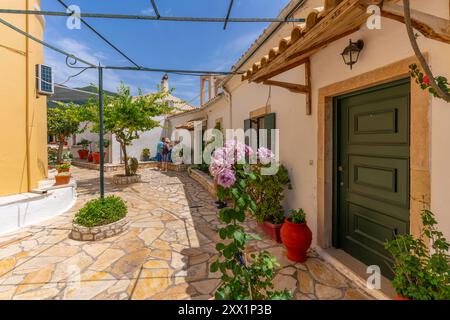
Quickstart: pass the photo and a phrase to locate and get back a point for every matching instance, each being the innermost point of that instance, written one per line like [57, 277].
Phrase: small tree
[64, 121]
[126, 116]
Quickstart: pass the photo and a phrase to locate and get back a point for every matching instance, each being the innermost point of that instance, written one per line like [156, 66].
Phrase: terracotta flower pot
[273, 230]
[297, 239]
[62, 180]
[63, 170]
[90, 158]
[96, 156]
[83, 153]
[398, 297]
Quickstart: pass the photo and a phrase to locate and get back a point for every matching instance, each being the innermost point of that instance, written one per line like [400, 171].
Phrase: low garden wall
[98, 233]
[205, 180]
[109, 167]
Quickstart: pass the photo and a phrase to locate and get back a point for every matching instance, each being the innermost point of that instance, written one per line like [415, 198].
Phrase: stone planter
[100, 232]
[122, 179]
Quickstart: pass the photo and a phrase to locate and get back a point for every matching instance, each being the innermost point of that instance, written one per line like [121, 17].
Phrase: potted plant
[64, 167]
[296, 235]
[96, 154]
[421, 265]
[267, 190]
[62, 178]
[146, 154]
[84, 153]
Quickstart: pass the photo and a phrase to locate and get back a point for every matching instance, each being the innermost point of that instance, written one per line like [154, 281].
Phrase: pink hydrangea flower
[265, 155]
[226, 178]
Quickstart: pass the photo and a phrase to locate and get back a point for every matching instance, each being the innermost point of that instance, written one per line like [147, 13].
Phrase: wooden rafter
[429, 25]
[293, 87]
[297, 88]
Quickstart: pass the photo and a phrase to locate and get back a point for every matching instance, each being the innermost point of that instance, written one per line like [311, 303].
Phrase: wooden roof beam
[429, 25]
[293, 87]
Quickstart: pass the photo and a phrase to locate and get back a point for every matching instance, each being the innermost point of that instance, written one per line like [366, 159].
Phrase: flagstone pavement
[165, 254]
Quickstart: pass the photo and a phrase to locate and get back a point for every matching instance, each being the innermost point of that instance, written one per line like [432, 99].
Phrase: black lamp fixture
[351, 52]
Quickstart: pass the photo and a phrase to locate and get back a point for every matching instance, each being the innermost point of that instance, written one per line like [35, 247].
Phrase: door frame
[420, 194]
[336, 230]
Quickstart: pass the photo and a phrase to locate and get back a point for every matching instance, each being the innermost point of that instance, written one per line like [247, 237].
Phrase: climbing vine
[244, 276]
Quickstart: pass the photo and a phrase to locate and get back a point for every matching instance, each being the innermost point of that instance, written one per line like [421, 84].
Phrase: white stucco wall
[298, 132]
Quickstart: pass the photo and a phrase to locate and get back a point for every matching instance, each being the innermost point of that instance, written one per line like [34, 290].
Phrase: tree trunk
[125, 158]
[60, 150]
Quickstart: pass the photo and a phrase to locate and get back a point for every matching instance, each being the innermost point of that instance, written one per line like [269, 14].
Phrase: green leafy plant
[63, 166]
[146, 153]
[243, 277]
[267, 192]
[126, 116]
[421, 272]
[64, 121]
[100, 212]
[297, 216]
[134, 165]
[424, 81]
[84, 143]
[63, 174]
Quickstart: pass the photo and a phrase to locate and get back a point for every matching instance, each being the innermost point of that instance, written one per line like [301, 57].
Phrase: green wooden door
[372, 171]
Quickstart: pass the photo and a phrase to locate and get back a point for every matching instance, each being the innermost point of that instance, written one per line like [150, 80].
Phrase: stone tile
[327, 293]
[324, 273]
[282, 282]
[150, 283]
[305, 282]
[206, 286]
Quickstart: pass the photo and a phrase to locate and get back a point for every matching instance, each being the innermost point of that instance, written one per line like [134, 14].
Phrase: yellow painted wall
[23, 113]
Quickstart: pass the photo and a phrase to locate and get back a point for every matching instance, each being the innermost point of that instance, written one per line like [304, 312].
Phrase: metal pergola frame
[89, 65]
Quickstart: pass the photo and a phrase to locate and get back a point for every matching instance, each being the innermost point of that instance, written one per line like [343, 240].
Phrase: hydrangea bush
[243, 277]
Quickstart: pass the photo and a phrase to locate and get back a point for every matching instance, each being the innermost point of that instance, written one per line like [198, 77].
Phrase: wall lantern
[351, 52]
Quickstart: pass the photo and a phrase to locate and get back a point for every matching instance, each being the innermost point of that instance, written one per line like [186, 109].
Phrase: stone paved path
[165, 254]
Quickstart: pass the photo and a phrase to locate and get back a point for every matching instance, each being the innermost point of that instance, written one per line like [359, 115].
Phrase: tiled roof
[337, 19]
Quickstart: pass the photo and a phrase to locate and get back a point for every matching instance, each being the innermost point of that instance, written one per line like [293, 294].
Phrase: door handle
[340, 168]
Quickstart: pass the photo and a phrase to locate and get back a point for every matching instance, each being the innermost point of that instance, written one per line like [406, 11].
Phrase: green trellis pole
[102, 142]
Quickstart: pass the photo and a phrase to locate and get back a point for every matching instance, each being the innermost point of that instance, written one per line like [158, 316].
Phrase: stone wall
[98, 233]
[204, 180]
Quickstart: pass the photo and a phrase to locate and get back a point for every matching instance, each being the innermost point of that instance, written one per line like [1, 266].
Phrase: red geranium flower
[426, 80]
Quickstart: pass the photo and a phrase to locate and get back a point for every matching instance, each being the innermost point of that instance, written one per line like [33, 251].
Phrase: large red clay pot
[297, 239]
[273, 230]
[83, 153]
[96, 156]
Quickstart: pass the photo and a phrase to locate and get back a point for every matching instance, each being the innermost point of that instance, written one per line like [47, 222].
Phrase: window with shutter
[258, 123]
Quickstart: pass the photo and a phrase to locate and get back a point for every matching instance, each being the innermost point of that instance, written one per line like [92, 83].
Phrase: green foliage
[126, 116]
[63, 174]
[297, 216]
[134, 165]
[146, 153]
[242, 278]
[267, 192]
[63, 166]
[421, 272]
[64, 121]
[85, 143]
[100, 212]
[424, 82]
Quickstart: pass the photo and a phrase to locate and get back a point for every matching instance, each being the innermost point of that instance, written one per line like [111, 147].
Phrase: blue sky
[156, 44]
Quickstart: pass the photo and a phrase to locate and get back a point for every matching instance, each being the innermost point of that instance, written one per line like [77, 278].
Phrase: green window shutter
[269, 123]
[247, 125]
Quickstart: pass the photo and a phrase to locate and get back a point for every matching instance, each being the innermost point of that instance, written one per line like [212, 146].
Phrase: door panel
[372, 171]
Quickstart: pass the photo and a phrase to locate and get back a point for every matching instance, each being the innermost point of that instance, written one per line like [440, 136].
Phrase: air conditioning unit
[44, 80]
